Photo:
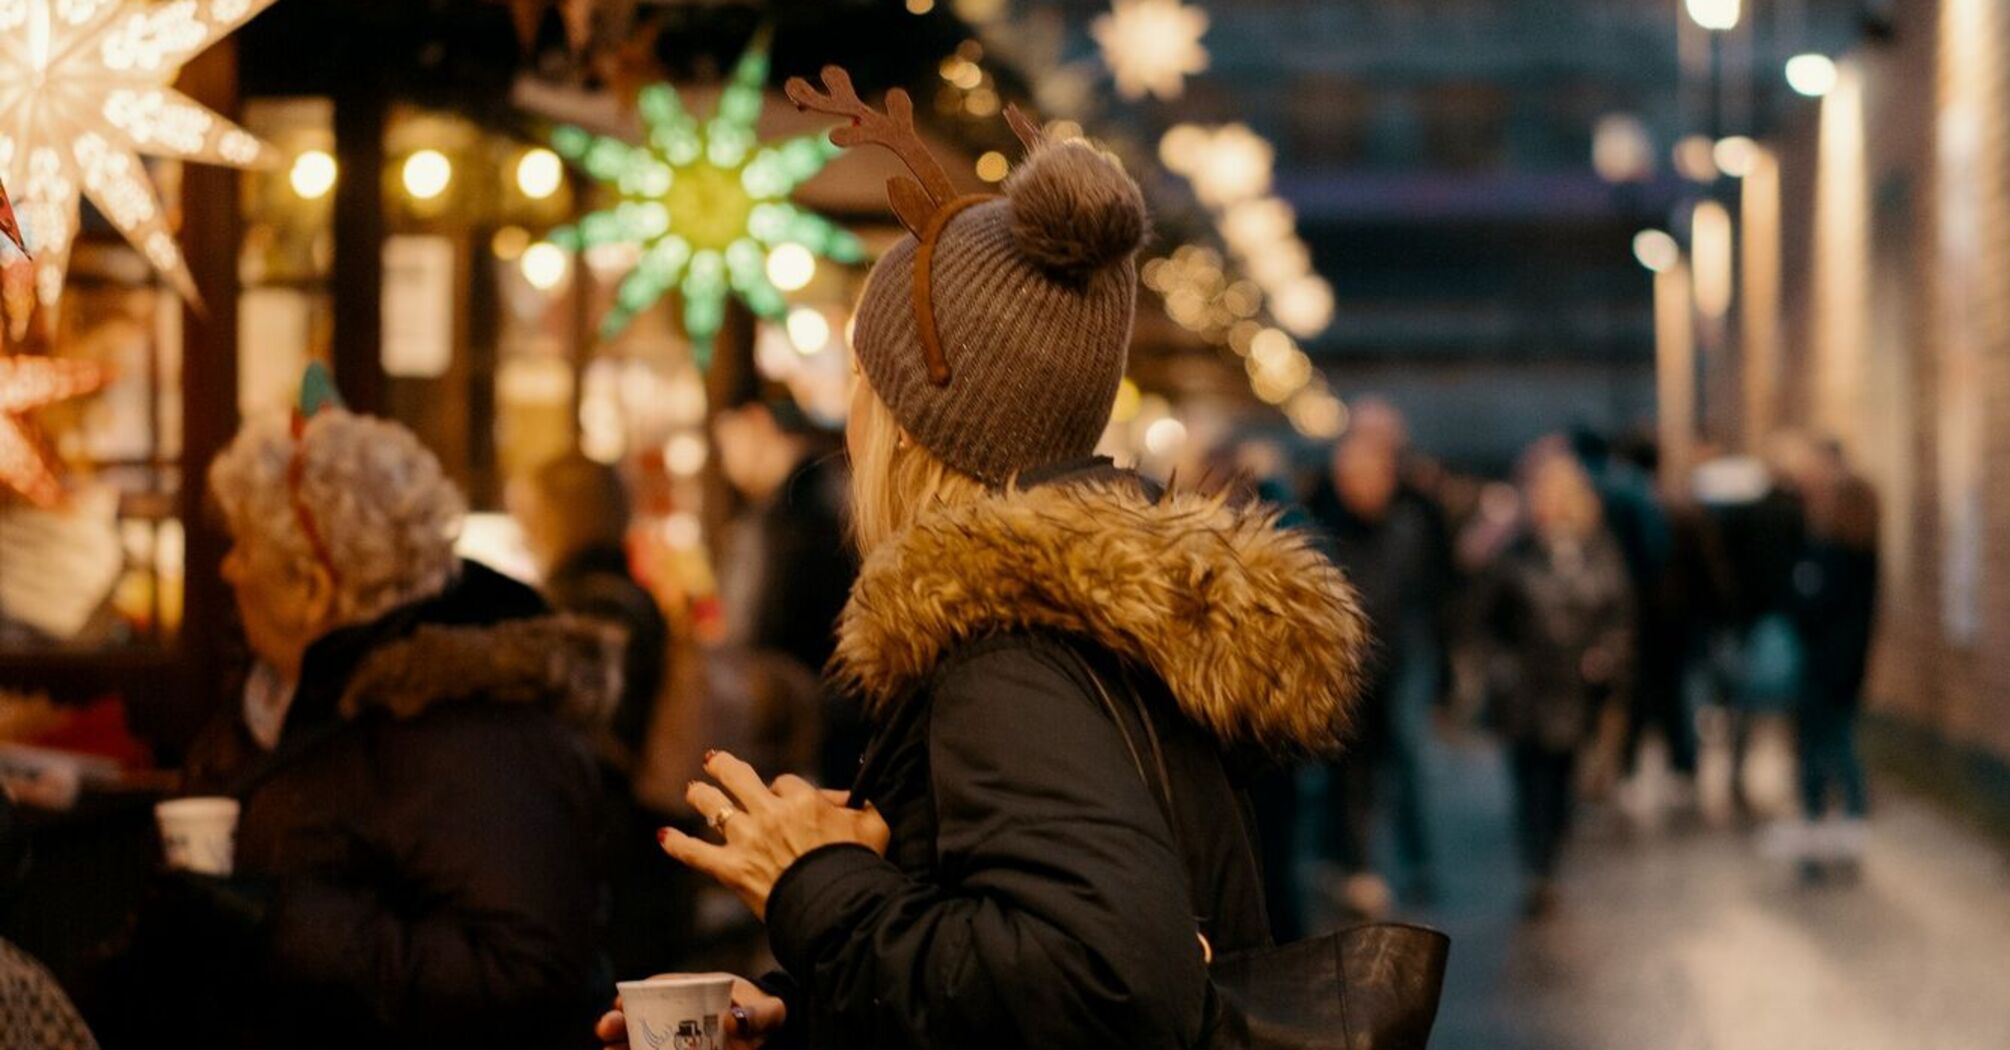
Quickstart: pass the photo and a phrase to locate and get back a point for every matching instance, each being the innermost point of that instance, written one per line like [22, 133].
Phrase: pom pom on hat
[1074, 211]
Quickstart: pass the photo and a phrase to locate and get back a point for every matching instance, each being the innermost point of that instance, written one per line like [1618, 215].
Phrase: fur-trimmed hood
[567, 664]
[1254, 630]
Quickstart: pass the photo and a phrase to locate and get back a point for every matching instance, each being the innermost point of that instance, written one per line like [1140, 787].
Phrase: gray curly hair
[385, 511]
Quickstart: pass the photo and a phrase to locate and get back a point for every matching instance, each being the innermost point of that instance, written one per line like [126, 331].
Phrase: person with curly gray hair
[422, 817]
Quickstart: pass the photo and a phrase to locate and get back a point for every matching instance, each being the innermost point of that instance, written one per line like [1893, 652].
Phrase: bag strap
[1163, 793]
[1161, 786]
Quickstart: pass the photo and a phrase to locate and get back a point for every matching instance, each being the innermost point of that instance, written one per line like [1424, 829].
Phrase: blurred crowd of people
[1587, 612]
[513, 751]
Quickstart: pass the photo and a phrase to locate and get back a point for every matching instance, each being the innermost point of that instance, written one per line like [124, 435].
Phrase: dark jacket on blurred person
[416, 859]
[1835, 599]
[789, 567]
[1559, 621]
[1034, 894]
[1762, 540]
[595, 583]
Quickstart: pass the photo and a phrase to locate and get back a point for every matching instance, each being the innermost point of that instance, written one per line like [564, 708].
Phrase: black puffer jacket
[426, 835]
[1033, 894]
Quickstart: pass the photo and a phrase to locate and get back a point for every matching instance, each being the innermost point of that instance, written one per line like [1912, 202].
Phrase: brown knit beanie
[1031, 295]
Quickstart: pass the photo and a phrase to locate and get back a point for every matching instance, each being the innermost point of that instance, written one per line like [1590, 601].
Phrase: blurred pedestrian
[1558, 615]
[1383, 543]
[1643, 525]
[416, 859]
[575, 517]
[1060, 664]
[1250, 472]
[1761, 523]
[1835, 586]
[786, 565]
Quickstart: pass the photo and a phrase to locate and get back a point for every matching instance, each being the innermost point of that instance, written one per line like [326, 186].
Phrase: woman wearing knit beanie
[1047, 840]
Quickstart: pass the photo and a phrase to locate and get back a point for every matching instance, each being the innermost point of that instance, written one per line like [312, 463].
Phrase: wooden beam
[357, 287]
[210, 241]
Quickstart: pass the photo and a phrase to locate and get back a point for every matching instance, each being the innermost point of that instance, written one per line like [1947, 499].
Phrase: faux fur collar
[564, 663]
[1255, 632]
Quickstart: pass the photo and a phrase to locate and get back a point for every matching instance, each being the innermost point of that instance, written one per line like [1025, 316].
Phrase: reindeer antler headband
[924, 204]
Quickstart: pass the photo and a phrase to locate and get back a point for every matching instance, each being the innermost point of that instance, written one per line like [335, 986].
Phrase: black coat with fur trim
[428, 830]
[1033, 894]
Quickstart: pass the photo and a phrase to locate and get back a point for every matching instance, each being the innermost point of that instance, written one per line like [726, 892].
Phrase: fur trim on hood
[567, 664]
[1255, 631]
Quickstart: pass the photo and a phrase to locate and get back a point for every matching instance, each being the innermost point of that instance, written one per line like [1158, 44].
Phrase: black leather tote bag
[1369, 987]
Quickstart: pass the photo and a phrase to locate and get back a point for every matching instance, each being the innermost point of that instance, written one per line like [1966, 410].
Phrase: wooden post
[358, 281]
[210, 241]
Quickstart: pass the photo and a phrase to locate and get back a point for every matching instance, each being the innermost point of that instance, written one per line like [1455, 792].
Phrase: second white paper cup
[677, 1013]
[199, 834]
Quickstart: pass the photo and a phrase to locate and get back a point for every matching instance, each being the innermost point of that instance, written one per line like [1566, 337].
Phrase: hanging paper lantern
[83, 93]
[28, 383]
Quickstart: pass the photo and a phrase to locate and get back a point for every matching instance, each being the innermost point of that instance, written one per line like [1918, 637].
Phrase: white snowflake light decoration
[1151, 45]
[83, 93]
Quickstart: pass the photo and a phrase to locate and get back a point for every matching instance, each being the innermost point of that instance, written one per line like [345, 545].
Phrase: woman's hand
[769, 828]
[755, 1017]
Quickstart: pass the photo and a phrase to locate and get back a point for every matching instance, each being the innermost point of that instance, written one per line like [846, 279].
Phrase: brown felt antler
[914, 203]
[1029, 133]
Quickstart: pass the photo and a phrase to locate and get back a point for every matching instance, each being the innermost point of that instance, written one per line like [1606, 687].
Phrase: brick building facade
[1896, 309]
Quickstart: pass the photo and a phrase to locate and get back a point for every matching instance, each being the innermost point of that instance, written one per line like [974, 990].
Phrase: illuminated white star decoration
[705, 203]
[1151, 45]
[83, 93]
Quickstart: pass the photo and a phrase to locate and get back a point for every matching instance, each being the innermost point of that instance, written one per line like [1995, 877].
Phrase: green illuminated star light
[705, 203]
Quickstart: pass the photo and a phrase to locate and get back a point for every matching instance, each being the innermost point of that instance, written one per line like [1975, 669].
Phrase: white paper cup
[677, 1013]
[199, 834]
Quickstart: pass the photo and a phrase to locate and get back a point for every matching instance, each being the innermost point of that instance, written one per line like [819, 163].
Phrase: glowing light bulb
[509, 243]
[427, 173]
[1270, 347]
[809, 330]
[1718, 16]
[791, 267]
[1736, 156]
[1696, 158]
[993, 167]
[1165, 437]
[1304, 306]
[539, 173]
[1812, 75]
[682, 530]
[1621, 150]
[684, 455]
[1656, 250]
[1181, 147]
[313, 174]
[544, 265]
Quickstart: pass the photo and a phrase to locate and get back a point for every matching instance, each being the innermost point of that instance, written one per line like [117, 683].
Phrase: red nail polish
[710, 755]
[662, 836]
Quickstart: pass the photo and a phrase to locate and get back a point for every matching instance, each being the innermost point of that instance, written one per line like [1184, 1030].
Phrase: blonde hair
[386, 514]
[892, 478]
